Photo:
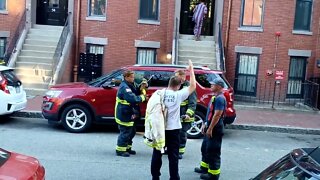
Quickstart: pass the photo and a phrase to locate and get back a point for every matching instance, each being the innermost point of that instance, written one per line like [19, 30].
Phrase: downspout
[76, 60]
[228, 26]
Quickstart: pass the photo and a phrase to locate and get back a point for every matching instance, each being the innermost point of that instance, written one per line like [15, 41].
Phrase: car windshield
[97, 82]
[10, 77]
[4, 156]
[204, 79]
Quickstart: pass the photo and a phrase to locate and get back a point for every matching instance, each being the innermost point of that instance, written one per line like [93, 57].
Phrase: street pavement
[91, 156]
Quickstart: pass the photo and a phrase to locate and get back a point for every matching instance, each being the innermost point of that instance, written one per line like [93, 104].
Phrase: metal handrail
[13, 42]
[221, 50]
[62, 41]
[176, 42]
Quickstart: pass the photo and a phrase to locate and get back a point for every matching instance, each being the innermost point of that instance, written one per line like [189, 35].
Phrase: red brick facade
[278, 17]
[121, 28]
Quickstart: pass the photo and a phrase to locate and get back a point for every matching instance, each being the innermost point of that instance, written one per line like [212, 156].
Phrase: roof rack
[171, 66]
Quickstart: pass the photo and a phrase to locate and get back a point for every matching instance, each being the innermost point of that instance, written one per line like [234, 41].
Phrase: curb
[277, 109]
[278, 129]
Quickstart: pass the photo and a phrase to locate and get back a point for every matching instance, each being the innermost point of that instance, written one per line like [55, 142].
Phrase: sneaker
[123, 154]
[209, 176]
[200, 170]
[180, 156]
[133, 152]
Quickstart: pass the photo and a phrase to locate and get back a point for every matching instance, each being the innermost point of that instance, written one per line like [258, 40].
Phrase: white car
[12, 96]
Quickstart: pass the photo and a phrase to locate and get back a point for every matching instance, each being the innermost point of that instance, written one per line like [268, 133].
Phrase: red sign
[279, 75]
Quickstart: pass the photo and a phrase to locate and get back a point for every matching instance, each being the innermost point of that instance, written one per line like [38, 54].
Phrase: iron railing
[176, 38]
[276, 93]
[62, 41]
[11, 48]
[221, 49]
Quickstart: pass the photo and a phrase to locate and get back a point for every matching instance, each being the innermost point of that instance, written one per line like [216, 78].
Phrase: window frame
[4, 47]
[252, 27]
[5, 8]
[96, 17]
[310, 16]
[90, 44]
[143, 48]
[295, 78]
[149, 20]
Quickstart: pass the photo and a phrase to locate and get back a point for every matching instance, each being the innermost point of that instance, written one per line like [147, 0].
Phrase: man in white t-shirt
[172, 100]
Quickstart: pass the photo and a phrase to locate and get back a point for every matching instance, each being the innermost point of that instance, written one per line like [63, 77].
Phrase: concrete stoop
[202, 53]
[35, 62]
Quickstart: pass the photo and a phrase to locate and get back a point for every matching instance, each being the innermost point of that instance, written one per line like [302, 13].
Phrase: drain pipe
[228, 27]
[76, 60]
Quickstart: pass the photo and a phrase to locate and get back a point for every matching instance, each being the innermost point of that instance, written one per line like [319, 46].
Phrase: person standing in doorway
[172, 100]
[199, 13]
[213, 131]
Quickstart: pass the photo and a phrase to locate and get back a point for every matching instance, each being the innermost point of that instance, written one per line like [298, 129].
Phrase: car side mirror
[108, 85]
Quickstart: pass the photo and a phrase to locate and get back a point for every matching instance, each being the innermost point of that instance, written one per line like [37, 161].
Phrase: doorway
[52, 12]
[186, 14]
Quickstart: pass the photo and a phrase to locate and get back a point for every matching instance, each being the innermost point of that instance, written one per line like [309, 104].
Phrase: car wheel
[76, 118]
[195, 130]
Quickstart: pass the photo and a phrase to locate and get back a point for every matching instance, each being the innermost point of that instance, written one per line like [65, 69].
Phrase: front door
[246, 74]
[297, 73]
[52, 12]
[186, 13]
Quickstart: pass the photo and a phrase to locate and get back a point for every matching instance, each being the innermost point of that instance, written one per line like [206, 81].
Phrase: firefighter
[127, 110]
[187, 110]
[213, 131]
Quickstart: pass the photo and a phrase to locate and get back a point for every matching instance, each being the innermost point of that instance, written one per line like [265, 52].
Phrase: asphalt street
[92, 155]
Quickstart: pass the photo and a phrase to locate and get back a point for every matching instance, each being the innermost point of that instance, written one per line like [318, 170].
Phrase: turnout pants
[184, 136]
[125, 137]
[172, 143]
[211, 151]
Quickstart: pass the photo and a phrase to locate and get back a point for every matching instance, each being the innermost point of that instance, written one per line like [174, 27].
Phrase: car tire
[195, 131]
[76, 118]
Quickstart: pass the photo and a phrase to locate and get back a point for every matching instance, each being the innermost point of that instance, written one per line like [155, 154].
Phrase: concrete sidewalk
[249, 118]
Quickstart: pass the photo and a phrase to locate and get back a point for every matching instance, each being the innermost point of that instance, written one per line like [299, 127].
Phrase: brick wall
[122, 29]
[10, 21]
[278, 16]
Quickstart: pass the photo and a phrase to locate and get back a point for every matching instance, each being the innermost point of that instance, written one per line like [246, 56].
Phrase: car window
[4, 156]
[156, 78]
[10, 77]
[101, 80]
[117, 79]
[204, 79]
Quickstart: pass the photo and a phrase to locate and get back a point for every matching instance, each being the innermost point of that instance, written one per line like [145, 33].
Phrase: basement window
[97, 8]
[146, 55]
[2, 47]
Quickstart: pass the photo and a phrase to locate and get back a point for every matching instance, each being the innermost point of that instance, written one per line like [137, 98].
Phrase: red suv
[78, 105]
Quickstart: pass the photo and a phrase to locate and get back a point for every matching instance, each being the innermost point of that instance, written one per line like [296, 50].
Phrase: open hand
[190, 65]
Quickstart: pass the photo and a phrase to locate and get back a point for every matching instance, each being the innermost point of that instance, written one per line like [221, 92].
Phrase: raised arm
[192, 86]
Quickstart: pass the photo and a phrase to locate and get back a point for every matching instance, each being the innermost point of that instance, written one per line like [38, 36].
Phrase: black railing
[62, 41]
[11, 48]
[176, 34]
[276, 93]
[221, 49]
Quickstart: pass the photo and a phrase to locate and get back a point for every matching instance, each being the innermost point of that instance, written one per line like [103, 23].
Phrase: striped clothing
[199, 12]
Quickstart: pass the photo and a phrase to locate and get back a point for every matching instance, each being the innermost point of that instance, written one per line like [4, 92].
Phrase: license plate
[17, 89]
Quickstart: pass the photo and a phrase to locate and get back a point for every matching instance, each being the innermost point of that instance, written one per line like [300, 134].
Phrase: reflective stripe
[205, 165]
[119, 148]
[182, 150]
[160, 144]
[124, 123]
[189, 120]
[213, 98]
[190, 111]
[143, 97]
[214, 172]
[144, 92]
[124, 102]
[184, 103]
[129, 146]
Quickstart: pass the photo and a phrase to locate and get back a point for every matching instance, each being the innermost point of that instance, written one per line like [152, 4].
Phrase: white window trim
[251, 28]
[147, 44]
[95, 40]
[147, 21]
[95, 17]
[303, 32]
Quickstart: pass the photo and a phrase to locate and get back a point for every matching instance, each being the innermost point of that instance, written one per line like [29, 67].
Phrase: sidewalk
[248, 118]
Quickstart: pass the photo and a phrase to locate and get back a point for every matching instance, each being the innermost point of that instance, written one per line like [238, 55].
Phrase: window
[149, 9]
[302, 20]
[97, 7]
[252, 11]
[95, 49]
[2, 47]
[53, 3]
[204, 79]
[297, 72]
[156, 78]
[3, 5]
[146, 55]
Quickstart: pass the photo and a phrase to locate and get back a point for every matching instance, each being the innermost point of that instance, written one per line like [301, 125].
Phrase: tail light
[4, 86]
[231, 96]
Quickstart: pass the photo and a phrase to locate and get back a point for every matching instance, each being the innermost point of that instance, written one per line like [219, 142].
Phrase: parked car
[78, 105]
[18, 166]
[12, 95]
[299, 164]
